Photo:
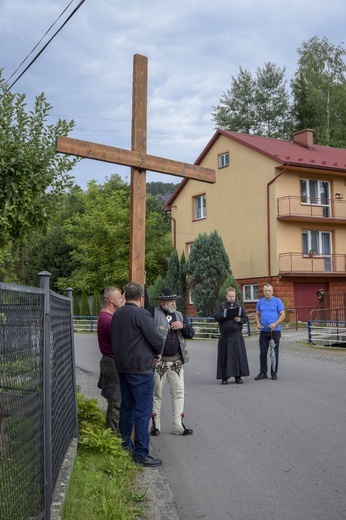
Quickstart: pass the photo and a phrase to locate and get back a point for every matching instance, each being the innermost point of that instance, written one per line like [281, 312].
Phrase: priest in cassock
[231, 356]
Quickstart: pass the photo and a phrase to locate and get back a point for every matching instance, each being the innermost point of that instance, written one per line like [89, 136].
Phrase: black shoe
[155, 432]
[187, 431]
[261, 375]
[239, 380]
[148, 461]
[224, 382]
[274, 376]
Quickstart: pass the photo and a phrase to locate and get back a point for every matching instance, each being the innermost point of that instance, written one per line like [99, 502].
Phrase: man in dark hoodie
[136, 344]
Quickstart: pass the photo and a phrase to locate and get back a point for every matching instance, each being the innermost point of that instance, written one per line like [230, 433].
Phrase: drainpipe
[268, 222]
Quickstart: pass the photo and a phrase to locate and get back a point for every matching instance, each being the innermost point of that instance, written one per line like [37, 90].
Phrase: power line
[45, 46]
[45, 34]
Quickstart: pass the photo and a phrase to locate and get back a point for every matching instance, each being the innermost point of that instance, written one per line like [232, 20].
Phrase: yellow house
[280, 208]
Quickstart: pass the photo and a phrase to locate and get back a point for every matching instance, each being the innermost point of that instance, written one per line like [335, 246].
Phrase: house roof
[284, 152]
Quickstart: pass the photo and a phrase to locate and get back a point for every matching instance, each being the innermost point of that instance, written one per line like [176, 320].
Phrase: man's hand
[259, 326]
[176, 325]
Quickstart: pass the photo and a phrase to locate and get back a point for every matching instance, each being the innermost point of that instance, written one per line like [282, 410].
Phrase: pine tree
[155, 289]
[208, 266]
[183, 282]
[96, 306]
[76, 306]
[84, 306]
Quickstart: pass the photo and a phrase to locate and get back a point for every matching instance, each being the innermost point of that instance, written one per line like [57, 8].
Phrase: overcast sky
[194, 47]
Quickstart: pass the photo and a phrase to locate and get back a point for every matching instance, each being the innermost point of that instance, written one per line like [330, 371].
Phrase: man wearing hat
[175, 329]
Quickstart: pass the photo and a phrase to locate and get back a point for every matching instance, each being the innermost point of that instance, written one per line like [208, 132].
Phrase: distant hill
[161, 189]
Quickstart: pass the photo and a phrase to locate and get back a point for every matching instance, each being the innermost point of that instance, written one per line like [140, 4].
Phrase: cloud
[194, 48]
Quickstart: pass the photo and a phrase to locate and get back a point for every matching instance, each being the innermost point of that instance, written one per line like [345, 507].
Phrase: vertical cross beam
[138, 175]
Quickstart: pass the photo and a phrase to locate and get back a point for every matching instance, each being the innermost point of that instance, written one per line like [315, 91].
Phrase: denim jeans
[264, 339]
[135, 411]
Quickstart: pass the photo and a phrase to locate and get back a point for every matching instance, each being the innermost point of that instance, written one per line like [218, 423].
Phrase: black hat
[168, 294]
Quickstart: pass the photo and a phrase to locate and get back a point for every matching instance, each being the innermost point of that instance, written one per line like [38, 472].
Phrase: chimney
[304, 138]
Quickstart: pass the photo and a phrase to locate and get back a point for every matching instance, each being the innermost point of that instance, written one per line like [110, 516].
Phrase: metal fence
[327, 333]
[38, 413]
[205, 328]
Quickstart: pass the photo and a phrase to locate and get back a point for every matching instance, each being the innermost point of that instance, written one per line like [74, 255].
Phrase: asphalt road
[273, 450]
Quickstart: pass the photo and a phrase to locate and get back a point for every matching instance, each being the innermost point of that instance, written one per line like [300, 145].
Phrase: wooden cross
[139, 162]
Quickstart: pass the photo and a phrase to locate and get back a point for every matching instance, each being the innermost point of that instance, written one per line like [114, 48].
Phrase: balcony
[315, 210]
[304, 264]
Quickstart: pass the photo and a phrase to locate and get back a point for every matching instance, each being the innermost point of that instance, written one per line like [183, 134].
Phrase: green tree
[158, 188]
[98, 234]
[258, 105]
[158, 240]
[173, 274]
[96, 305]
[84, 305]
[42, 250]
[183, 282]
[76, 306]
[208, 266]
[236, 110]
[155, 289]
[174, 278]
[31, 173]
[319, 91]
[46, 252]
[273, 113]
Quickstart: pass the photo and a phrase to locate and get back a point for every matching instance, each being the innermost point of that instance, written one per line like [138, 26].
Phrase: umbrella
[272, 346]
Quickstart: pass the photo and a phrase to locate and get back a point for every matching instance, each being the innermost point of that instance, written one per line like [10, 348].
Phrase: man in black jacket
[136, 344]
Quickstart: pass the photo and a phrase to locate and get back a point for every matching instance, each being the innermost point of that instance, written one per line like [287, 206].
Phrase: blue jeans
[264, 345]
[135, 411]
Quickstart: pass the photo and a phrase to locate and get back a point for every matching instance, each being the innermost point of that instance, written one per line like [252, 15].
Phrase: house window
[316, 193]
[250, 292]
[200, 207]
[223, 160]
[318, 243]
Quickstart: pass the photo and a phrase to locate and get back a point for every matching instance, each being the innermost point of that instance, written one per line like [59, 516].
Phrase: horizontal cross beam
[134, 159]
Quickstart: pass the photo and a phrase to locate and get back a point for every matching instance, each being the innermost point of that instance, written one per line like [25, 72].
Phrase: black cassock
[231, 354]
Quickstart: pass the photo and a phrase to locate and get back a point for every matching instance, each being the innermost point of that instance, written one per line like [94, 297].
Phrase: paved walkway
[160, 500]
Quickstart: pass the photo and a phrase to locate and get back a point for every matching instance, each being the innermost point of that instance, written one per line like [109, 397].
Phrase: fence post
[309, 331]
[47, 394]
[69, 294]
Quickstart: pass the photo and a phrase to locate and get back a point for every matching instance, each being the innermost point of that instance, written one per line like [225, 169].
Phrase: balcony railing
[294, 208]
[299, 263]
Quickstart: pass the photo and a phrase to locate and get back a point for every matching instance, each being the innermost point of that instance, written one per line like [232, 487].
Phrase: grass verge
[102, 484]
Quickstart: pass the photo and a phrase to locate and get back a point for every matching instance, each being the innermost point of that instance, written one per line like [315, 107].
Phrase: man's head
[113, 297]
[133, 291]
[268, 290]
[168, 299]
[230, 294]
